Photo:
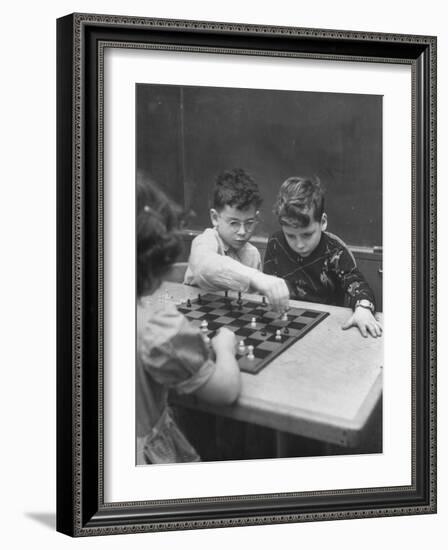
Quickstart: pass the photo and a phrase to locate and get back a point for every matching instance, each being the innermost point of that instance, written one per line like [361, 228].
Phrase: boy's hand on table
[365, 321]
[274, 288]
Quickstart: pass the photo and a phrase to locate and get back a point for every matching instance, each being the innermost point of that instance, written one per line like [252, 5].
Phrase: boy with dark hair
[221, 257]
[316, 265]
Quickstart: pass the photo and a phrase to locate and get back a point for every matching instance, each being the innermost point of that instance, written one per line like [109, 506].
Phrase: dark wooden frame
[81, 510]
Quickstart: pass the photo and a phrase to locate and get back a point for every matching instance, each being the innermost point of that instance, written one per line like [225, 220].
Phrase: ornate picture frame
[81, 43]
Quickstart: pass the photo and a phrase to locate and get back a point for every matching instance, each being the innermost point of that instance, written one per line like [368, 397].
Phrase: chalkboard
[187, 135]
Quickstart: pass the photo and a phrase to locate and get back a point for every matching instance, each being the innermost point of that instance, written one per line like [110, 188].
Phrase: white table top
[324, 386]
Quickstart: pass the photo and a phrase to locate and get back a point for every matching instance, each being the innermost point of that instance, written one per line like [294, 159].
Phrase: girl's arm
[224, 385]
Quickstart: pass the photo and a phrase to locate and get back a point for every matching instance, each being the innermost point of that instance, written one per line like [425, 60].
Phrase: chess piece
[263, 332]
[284, 316]
[250, 354]
[253, 323]
[188, 302]
[199, 299]
[263, 301]
[239, 301]
[241, 347]
[278, 334]
[286, 330]
[204, 326]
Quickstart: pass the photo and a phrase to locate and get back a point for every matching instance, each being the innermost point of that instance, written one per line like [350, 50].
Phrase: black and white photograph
[183, 357]
[246, 275]
[259, 261]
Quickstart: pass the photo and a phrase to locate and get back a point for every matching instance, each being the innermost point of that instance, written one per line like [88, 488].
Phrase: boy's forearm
[353, 283]
[357, 288]
[212, 269]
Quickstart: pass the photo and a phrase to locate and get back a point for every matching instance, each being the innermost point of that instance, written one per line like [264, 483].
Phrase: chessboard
[261, 333]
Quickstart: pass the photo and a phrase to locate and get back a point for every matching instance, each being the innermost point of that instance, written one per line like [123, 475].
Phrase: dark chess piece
[263, 301]
[286, 330]
[199, 299]
[188, 302]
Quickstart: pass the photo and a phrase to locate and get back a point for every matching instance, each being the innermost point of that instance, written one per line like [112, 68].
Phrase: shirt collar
[222, 244]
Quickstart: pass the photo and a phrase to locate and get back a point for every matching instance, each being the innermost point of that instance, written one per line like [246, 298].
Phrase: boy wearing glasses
[221, 257]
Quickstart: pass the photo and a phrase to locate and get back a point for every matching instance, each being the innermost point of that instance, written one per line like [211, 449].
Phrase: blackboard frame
[81, 509]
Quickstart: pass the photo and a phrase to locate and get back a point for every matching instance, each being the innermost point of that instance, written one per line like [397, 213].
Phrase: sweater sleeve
[352, 281]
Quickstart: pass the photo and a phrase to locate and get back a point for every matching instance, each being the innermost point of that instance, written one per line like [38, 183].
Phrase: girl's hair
[300, 198]
[236, 188]
[158, 237]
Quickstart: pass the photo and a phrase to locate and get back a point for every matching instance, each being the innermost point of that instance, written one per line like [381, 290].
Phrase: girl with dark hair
[171, 353]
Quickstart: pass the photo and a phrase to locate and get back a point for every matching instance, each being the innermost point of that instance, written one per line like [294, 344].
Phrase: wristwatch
[367, 304]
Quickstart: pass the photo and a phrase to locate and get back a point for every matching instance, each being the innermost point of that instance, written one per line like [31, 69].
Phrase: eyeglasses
[235, 225]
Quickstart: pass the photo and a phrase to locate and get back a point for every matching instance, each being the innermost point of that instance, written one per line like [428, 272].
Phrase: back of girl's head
[158, 238]
[300, 200]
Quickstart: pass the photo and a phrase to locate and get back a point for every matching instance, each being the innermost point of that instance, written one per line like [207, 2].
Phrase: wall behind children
[186, 135]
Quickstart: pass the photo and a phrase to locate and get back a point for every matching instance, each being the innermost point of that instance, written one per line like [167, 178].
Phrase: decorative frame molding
[81, 39]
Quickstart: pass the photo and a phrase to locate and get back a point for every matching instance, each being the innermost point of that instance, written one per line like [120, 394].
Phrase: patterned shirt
[329, 275]
[214, 266]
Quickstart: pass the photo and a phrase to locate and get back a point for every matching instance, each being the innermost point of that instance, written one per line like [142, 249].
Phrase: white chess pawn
[204, 326]
[250, 354]
[253, 323]
[241, 346]
[284, 316]
[278, 334]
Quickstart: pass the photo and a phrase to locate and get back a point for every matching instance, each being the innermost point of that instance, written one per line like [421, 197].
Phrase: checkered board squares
[220, 311]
